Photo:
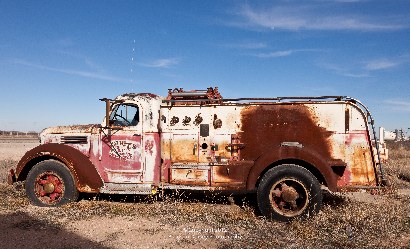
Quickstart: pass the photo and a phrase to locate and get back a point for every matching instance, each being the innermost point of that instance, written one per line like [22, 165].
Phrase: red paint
[120, 152]
[157, 163]
[148, 146]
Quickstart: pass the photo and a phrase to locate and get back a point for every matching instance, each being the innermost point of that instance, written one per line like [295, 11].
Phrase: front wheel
[50, 183]
[289, 191]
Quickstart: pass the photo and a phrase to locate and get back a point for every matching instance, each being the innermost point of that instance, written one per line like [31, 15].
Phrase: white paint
[150, 154]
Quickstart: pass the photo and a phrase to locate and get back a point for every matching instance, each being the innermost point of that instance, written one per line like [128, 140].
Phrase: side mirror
[107, 112]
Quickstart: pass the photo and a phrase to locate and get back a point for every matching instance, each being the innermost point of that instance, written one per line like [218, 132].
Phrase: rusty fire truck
[282, 149]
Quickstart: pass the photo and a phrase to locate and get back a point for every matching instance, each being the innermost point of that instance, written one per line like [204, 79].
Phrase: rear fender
[294, 154]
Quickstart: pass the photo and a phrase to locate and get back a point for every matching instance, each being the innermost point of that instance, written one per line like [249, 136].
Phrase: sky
[58, 58]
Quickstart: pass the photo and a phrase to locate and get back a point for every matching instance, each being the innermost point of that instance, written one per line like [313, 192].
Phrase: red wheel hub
[49, 187]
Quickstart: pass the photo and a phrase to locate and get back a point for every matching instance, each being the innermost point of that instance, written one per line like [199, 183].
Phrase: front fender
[288, 154]
[82, 169]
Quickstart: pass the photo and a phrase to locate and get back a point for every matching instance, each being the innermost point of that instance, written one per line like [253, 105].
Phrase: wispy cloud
[246, 45]
[386, 63]
[366, 68]
[380, 64]
[344, 71]
[283, 53]
[83, 58]
[313, 17]
[80, 73]
[275, 54]
[161, 63]
[398, 105]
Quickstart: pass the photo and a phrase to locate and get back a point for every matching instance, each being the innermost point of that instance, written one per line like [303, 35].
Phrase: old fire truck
[283, 149]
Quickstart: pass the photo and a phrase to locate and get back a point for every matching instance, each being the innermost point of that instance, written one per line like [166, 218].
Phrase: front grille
[74, 139]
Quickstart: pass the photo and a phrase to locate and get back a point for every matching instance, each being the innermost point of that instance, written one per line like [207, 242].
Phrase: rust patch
[360, 170]
[184, 149]
[265, 127]
[90, 128]
[174, 121]
[217, 122]
[190, 176]
[198, 119]
[134, 95]
[165, 171]
[228, 175]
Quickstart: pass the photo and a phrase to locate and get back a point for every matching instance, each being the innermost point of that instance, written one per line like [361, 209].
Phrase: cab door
[122, 157]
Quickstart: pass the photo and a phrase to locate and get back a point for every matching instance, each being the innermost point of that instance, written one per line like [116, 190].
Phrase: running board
[127, 188]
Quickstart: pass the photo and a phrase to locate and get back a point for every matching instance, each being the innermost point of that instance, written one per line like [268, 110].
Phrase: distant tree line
[18, 134]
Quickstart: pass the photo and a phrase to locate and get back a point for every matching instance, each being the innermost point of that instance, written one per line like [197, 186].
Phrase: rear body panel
[242, 140]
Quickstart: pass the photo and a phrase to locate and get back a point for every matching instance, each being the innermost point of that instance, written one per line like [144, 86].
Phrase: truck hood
[90, 128]
[68, 134]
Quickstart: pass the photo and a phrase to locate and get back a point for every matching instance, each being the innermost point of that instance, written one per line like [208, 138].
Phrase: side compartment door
[224, 147]
[185, 147]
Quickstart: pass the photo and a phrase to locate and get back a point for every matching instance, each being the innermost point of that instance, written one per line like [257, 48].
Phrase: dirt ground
[14, 149]
[194, 220]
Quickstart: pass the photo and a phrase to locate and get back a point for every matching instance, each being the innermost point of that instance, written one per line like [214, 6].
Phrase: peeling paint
[125, 150]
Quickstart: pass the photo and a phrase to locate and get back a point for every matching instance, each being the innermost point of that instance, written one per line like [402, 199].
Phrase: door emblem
[126, 150]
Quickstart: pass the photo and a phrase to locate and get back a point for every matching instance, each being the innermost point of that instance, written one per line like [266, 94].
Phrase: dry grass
[398, 165]
[343, 222]
[5, 166]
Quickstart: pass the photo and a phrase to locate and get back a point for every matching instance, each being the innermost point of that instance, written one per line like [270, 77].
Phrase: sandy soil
[14, 149]
[354, 220]
[25, 229]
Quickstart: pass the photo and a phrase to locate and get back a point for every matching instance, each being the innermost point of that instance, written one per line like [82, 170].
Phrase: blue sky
[57, 58]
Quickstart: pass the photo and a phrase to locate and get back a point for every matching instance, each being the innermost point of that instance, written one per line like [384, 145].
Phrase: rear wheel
[289, 191]
[50, 183]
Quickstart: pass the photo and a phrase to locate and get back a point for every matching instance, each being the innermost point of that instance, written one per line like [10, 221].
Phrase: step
[127, 188]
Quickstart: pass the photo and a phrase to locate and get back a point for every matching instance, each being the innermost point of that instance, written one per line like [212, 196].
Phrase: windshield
[125, 115]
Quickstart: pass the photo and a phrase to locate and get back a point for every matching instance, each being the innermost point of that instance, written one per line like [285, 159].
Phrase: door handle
[194, 150]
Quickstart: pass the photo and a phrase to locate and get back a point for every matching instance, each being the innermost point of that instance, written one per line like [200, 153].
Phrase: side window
[125, 115]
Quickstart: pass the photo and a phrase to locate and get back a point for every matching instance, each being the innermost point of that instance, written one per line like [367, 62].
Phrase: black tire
[289, 191]
[50, 183]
